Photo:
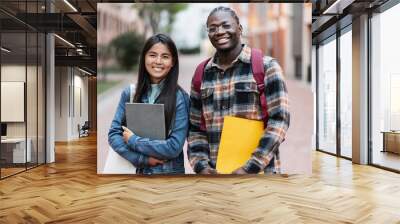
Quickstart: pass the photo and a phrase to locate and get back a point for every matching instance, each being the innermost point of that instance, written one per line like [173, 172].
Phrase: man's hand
[239, 170]
[154, 162]
[126, 134]
[208, 171]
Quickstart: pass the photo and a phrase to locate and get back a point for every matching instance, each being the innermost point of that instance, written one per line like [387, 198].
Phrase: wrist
[132, 141]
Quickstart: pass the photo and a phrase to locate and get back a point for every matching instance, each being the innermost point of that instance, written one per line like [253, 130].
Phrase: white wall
[80, 110]
[71, 94]
[61, 103]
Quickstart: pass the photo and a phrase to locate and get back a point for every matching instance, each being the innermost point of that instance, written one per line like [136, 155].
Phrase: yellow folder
[239, 139]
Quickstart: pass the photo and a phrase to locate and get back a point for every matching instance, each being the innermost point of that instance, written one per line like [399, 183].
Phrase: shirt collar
[153, 89]
[244, 56]
[158, 85]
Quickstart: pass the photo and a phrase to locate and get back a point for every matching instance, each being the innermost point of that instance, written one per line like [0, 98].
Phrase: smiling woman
[157, 84]
[158, 62]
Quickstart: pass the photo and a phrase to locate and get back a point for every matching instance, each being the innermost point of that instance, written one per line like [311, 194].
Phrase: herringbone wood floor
[70, 191]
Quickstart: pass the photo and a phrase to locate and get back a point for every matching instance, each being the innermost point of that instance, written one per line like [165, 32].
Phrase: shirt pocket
[208, 102]
[246, 99]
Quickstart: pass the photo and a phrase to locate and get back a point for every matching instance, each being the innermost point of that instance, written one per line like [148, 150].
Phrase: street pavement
[295, 150]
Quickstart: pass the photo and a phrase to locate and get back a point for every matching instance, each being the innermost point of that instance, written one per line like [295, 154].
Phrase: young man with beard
[228, 87]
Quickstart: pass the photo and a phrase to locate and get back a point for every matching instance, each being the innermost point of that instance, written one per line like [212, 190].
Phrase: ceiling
[330, 15]
[74, 22]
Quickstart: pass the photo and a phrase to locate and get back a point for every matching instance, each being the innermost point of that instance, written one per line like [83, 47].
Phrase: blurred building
[282, 31]
[114, 19]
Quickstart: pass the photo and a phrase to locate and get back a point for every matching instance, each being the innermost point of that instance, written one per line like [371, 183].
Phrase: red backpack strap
[257, 65]
[196, 82]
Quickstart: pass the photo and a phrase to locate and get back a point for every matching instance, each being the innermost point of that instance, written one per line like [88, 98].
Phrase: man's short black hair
[225, 9]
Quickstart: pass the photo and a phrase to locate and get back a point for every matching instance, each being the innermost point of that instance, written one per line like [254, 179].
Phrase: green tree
[127, 48]
[104, 54]
[152, 14]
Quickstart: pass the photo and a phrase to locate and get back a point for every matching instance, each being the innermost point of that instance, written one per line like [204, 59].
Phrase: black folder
[146, 120]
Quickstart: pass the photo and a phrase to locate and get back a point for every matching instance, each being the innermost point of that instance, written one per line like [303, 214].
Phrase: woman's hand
[154, 162]
[126, 134]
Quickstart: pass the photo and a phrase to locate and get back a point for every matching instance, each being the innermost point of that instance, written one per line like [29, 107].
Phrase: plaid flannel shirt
[234, 92]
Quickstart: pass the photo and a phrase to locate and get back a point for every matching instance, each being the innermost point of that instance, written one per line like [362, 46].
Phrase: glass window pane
[31, 97]
[13, 85]
[346, 94]
[22, 69]
[327, 97]
[385, 85]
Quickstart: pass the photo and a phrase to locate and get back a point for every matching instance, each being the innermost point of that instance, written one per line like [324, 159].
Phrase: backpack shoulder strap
[198, 75]
[131, 92]
[257, 65]
[196, 82]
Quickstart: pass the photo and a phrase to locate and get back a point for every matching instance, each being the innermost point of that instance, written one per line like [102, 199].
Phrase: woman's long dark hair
[168, 92]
